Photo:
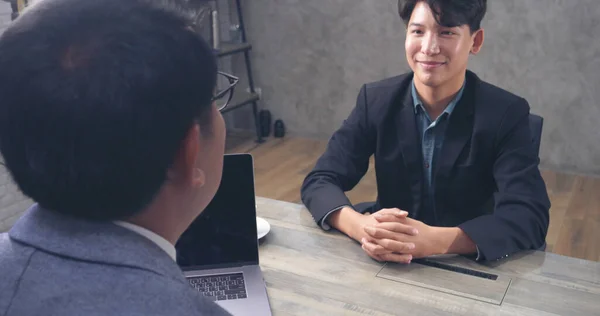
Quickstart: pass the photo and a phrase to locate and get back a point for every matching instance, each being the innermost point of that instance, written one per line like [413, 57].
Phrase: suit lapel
[458, 131]
[410, 146]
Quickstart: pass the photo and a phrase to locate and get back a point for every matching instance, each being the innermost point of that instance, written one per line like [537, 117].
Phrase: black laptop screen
[225, 232]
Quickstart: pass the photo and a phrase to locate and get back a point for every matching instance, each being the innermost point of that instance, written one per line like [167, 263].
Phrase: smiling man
[456, 169]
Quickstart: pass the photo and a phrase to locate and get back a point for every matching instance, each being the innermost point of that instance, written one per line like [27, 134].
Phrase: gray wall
[4, 15]
[12, 202]
[310, 58]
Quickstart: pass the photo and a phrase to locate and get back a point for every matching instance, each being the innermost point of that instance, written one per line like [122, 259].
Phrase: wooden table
[312, 272]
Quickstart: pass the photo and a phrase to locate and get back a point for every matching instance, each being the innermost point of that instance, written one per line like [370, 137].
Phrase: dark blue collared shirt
[431, 133]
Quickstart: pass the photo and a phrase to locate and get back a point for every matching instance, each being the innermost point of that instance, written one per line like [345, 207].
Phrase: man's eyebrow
[437, 26]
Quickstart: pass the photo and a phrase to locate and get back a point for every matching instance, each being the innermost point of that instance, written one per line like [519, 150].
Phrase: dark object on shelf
[17, 6]
[265, 122]
[241, 97]
[279, 130]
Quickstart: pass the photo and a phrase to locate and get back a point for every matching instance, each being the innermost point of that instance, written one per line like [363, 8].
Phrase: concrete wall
[4, 15]
[310, 58]
[12, 202]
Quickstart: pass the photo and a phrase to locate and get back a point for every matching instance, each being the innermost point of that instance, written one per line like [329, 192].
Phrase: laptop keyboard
[220, 287]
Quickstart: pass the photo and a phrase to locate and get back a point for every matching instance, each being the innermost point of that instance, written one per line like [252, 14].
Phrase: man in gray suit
[109, 121]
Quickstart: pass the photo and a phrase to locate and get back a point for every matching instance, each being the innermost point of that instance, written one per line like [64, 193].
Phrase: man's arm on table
[521, 215]
[340, 168]
[453, 240]
[520, 219]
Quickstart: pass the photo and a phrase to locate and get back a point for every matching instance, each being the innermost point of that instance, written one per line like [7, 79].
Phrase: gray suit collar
[99, 242]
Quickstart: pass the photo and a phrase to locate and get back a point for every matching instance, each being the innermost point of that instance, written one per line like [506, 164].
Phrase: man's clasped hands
[390, 235]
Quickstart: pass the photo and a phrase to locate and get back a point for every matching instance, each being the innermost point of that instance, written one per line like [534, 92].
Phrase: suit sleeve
[521, 211]
[342, 165]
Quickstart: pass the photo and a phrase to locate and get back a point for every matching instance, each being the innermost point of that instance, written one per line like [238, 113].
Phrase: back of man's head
[96, 97]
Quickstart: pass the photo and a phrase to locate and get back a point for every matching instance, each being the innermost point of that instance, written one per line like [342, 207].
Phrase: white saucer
[262, 227]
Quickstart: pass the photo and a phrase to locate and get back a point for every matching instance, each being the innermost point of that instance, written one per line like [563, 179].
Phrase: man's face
[438, 54]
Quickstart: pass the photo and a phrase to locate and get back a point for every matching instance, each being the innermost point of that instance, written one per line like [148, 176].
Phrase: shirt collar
[418, 104]
[157, 239]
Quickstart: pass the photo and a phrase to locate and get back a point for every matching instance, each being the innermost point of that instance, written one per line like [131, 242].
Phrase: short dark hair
[449, 13]
[96, 99]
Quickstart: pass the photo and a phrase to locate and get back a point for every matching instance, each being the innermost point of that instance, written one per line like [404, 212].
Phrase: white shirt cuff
[478, 254]
[324, 225]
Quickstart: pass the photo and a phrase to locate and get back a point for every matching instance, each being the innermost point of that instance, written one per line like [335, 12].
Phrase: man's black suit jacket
[487, 180]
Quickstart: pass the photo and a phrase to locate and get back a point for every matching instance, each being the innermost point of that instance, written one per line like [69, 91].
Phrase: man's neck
[160, 218]
[164, 229]
[436, 99]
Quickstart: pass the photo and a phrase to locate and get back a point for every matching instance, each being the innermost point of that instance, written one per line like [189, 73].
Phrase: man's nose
[430, 46]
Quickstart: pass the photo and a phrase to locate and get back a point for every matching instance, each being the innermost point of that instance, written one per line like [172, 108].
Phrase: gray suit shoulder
[166, 298]
[13, 261]
[34, 282]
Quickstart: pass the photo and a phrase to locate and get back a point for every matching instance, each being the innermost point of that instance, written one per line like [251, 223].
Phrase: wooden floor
[282, 163]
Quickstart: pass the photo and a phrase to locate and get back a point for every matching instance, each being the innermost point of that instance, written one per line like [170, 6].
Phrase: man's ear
[477, 41]
[199, 178]
[184, 169]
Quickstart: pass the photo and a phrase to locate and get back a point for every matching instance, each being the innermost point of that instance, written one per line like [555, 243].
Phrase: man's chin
[429, 80]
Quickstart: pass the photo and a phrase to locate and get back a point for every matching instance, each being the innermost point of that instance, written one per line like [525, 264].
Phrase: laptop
[218, 253]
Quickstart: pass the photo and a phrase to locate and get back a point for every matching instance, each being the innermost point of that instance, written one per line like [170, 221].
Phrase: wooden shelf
[241, 97]
[230, 49]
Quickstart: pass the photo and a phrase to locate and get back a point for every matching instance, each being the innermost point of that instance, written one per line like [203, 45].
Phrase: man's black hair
[449, 13]
[96, 97]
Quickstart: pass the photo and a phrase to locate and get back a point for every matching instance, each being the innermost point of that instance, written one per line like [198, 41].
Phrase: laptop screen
[225, 232]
